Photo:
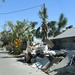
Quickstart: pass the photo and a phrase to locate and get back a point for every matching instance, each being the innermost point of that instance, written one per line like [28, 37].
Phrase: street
[10, 66]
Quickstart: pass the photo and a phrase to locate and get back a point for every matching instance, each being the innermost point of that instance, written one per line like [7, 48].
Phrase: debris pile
[50, 61]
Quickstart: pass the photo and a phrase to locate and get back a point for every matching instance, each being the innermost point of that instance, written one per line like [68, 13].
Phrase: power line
[20, 10]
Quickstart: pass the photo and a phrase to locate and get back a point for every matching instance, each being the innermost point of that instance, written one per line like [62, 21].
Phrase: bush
[17, 50]
[14, 50]
[8, 47]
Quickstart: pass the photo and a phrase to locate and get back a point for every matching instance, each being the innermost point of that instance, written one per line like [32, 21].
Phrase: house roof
[68, 33]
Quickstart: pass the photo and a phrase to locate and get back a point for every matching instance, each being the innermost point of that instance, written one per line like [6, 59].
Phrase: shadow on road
[6, 57]
[3, 52]
[21, 60]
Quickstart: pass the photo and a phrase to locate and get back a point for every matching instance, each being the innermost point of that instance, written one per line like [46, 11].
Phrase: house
[65, 40]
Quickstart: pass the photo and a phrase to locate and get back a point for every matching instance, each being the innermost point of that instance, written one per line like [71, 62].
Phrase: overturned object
[42, 64]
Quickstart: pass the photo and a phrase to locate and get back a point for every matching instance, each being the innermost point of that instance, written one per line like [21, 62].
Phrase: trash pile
[50, 61]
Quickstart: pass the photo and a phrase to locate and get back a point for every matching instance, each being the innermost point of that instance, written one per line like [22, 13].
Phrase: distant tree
[38, 33]
[5, 37]
[32, 26]
[5, 34]
[61, 23]
[24, 30]
[71, 26]
[51, 28]
[56, 27]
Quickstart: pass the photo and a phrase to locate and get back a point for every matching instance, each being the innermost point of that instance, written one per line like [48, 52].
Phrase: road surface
[10, 66]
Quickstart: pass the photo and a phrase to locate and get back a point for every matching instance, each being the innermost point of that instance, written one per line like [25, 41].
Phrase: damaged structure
[65, 40]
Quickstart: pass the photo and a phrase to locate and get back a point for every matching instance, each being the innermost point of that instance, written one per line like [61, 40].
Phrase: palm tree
[43, 16]
[61, 23]
[51, 28]
[55, 28]
[32, 26]
[38, 33]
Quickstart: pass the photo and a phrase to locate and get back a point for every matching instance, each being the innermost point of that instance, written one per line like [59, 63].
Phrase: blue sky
[54, 9]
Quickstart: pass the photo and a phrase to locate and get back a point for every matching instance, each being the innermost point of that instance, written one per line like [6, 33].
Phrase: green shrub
[8, 47]
[18, 50]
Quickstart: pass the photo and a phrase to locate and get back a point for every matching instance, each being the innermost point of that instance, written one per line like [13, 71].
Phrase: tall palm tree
[43, 16]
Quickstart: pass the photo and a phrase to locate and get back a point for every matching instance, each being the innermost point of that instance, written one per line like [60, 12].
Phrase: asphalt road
[10, 66]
